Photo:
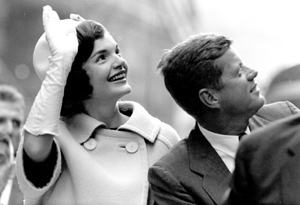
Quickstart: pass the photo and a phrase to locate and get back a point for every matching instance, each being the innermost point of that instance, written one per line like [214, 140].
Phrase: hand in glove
[62, 44]
[45, 112]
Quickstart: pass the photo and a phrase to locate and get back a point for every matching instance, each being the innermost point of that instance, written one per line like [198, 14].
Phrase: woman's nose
[119, 62]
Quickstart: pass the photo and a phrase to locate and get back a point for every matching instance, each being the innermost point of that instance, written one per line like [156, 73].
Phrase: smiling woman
[81, 144]
[107, 71]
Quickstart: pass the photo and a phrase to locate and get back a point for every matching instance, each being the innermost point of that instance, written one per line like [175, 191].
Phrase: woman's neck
[107, 112]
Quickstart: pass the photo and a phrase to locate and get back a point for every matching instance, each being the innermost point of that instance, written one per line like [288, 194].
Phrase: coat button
[132, 147]
[90, 144]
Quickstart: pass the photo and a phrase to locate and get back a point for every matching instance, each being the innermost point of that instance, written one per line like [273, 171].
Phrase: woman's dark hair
[78, 87]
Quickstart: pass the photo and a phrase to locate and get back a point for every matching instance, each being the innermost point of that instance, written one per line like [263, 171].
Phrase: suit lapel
[205, 161]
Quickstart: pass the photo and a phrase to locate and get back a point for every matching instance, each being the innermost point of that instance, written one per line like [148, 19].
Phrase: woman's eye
[100, 58]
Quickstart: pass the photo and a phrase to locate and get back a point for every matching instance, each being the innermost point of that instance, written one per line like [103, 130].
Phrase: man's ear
[209, 97]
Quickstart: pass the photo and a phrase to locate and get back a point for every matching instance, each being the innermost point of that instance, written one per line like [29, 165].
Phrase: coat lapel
[205, 161]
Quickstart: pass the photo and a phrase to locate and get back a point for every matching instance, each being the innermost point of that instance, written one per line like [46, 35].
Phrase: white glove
[45, 112]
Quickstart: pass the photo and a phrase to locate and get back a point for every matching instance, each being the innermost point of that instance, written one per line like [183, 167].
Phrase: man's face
[240, 94]
[6, 160]
[11, 121]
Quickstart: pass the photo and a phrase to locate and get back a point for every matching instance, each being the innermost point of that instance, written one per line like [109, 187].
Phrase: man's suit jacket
[193, 172]
[268, 166]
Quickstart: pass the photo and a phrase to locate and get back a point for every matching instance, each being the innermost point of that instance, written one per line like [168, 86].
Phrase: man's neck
[224, 125]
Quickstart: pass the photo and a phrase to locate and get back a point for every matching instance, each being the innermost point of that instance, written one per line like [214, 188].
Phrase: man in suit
[267, 166]
[12, 108]
[207, 78]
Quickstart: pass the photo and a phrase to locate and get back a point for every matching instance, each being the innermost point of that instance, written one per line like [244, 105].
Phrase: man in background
[6, 161]
[207, 78]
[12, 107]
[267, 166]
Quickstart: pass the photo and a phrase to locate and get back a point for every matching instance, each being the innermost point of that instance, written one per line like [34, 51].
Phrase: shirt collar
[141, 122]
[247, 131]
[225, 143]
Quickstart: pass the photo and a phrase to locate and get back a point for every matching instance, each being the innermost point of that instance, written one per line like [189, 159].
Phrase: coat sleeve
[32, 193]
[166, 189]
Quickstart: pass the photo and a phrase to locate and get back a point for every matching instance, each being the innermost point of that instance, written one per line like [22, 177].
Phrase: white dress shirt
[225, 145]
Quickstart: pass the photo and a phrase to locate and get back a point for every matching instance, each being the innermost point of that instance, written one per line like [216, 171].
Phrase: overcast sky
[266, 33]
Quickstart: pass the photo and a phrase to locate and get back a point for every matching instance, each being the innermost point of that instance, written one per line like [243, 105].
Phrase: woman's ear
[209, 97]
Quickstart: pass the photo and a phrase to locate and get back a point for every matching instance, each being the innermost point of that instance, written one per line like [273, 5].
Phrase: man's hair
[190, 66]
[78, 87]
[10, 94]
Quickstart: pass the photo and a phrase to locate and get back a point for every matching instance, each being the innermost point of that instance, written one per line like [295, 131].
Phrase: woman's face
[107, 70]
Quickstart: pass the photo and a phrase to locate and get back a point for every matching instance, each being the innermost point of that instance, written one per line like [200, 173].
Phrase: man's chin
[260, 102]
[262, 99]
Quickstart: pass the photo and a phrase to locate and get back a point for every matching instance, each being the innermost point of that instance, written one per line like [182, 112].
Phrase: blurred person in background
[12, 114]
[207, 78]
[6, 166]
[81, 144]
[267, 166]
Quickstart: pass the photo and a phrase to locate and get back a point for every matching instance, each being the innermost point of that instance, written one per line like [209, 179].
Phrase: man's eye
[2, 159]
[16, 123]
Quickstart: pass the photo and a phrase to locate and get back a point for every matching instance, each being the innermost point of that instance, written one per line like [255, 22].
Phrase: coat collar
[141, 122]
[205, 161]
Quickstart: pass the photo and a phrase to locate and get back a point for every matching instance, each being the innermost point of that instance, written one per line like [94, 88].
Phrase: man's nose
[8, 128]
[251, 74]
[4, 136]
